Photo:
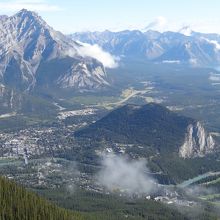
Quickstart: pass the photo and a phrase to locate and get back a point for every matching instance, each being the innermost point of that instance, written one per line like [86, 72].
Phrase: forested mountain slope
[20, 204]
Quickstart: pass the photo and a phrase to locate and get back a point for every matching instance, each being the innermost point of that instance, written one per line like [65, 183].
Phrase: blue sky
[79, 15]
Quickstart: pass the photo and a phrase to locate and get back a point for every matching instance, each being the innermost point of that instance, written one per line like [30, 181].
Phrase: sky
[70, 16]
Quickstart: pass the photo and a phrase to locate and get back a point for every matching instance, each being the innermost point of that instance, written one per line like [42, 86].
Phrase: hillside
[151, 125]
[18, 203]
[176, 147]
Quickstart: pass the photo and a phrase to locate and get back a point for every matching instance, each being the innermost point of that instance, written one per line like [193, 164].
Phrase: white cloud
[162, 24]
[33, 5]
[197, 26]
[98, 53]
[206, 26]
[130, 176]
[214, 42]
[171, 61]
[214, 77]
[159, 24]
[193, 61]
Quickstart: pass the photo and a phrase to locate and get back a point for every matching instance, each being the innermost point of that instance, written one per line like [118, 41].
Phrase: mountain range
[185, 47]
[33, 55]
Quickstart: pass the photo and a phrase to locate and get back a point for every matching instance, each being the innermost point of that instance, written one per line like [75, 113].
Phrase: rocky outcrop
[2, 90]
[84, 75]
[198, 142]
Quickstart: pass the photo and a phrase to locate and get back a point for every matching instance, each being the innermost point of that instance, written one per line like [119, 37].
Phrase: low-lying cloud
[95, 51]
[159, 24]
[120, 173]
[171, 61]
[214, 77]
[199, 190]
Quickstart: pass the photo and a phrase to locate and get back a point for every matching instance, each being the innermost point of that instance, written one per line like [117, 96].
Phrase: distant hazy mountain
[185, 46]
[33, 54]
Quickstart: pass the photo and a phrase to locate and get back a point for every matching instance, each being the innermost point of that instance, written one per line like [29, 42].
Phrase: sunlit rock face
[90, 74]
[31, 52]
[2, 90]
[197, 142]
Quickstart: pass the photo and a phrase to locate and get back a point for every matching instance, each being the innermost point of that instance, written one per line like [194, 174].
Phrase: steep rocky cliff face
[26, 41]
[9, 100]
[197, 142]
[84, 75]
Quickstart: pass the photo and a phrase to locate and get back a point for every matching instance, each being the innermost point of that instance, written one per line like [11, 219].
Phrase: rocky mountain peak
[29, 15]
[27, 43]
[26, 13]
[25, 20]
